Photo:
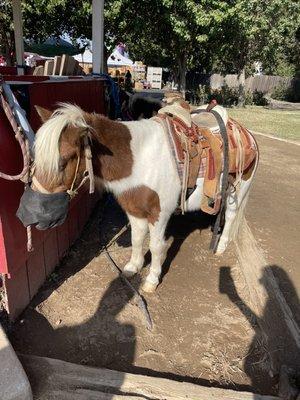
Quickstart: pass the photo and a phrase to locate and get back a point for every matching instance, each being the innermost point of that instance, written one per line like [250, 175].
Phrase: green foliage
[284, 68]
[226, 96]
[6, 29]
[287, 92]
[45, 18]
[211, 35]
[255, 98]
[259, 30]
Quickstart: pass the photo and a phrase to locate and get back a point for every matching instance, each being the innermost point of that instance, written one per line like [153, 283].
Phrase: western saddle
[197, 146]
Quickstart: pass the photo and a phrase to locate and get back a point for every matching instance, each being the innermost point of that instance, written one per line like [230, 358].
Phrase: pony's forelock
[46, 147]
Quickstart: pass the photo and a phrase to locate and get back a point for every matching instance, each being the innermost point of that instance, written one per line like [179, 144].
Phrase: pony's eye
[62, 164]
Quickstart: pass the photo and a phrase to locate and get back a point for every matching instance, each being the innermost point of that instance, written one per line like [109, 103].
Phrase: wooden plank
[62, 380]
[56, 67]
[70, 68]
[76, 68]
[36, 270]
[38, 71]
[73, 222]
[63, 65]
[62, 239]
[48, 69]
[50, 251]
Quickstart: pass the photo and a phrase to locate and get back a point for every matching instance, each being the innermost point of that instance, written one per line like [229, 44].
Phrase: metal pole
[18, 30]
[98, 35]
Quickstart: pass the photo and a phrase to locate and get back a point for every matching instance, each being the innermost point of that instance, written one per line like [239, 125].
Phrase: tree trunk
[182, 73]
[242, 93]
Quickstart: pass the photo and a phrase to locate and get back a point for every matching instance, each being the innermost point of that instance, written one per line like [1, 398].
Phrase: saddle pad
[207, 119]
[180, 110]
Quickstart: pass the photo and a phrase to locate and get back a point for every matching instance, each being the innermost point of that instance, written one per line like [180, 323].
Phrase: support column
[98, 35]
[18, 30]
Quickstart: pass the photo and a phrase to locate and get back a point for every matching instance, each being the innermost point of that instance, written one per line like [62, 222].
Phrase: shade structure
[52, 47]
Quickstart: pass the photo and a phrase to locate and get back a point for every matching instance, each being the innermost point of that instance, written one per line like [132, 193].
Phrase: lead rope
[20, 139]
[24, 144]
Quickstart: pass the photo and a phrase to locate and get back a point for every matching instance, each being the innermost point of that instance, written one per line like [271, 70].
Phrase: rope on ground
[138, 298]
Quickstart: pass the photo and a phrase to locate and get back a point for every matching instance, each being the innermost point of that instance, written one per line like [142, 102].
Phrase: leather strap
[88, 173]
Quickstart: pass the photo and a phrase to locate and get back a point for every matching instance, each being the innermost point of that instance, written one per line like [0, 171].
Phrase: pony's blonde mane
[46, 147]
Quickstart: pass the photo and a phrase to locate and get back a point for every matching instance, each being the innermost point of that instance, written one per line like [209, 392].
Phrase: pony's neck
[112, 156]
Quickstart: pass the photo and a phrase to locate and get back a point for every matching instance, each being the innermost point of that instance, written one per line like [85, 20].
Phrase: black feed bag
[43, 210]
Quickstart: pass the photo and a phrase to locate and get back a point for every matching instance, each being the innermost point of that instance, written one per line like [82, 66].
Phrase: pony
[134, 161]
[136, 107]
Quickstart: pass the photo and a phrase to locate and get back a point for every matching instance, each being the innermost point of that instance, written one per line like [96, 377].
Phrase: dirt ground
[203, 331]
[273, 213]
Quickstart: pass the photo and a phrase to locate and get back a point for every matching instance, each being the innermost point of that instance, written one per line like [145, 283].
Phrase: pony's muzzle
[43, 210]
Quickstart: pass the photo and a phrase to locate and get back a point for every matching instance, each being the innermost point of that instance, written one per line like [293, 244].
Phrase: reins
[218, 226]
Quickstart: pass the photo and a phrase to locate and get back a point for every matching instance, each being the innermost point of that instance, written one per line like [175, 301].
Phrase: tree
[255, 30]
[46, 18]
[175, 32]
[6, 30]
[222, 35]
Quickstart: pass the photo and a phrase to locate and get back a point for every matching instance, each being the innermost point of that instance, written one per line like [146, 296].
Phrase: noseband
[88, 173]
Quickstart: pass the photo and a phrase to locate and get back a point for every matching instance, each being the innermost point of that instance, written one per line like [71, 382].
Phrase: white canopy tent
[116, 59]
[97, 32]
[85, 57]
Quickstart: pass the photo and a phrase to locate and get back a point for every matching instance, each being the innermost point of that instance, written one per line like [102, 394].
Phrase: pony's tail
[239, 218]
[240, 214]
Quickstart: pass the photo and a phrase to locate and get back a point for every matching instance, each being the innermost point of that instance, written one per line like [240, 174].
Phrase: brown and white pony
[134, 161]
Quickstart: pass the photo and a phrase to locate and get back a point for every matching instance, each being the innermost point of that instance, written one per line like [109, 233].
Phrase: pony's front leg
[139, 229]
[158, 248]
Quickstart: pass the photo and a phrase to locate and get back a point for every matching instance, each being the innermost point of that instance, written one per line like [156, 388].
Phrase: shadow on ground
[106, 333]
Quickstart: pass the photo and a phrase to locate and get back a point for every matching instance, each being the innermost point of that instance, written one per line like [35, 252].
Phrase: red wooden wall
[25, 272]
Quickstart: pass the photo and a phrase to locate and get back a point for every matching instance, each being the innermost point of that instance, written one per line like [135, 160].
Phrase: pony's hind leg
[158, 248]
[139, 229]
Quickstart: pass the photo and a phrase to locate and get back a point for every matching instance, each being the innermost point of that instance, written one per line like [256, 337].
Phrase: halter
[88, 173]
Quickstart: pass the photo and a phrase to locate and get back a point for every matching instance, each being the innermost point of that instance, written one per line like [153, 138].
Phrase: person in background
[128, 81]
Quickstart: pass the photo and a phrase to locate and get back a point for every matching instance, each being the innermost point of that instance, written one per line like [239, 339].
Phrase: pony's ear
[43, 113]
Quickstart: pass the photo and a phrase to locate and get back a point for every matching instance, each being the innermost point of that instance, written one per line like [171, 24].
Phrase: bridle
[87, 174]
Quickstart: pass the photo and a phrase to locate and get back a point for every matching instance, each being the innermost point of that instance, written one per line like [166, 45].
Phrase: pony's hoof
[128, 273]
[149, 287]
[220, 251]
[130, 270]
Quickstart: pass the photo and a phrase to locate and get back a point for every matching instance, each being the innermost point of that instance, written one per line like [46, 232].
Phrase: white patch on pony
[153, 164]
[46, 147]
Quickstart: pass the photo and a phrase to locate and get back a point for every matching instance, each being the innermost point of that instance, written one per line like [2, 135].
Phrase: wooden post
[98, 35]
[18, 30]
